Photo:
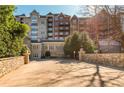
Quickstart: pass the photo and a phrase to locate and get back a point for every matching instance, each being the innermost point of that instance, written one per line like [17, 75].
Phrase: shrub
[75, 41]
[25, 49]
[47, 53]
[12, 33]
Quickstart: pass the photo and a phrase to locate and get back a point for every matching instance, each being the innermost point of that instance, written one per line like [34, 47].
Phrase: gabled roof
[74, 16]
[20, 15]
[49, 13]
[34, 11]
[42, 16]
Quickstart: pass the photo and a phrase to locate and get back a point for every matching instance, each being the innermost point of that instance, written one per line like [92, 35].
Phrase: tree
[93, 22]
[86, 42]
[109, 24]
[12, 33]
[74, 44]
[115, 19]
[77, 40]
[67, 45]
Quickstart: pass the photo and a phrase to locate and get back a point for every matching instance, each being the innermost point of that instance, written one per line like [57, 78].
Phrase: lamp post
[96, 51]
[74, 54]
[81, 53]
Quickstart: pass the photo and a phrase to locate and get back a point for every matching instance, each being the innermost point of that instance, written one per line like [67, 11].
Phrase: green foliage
[76, 40]
[25, 49]
[12, 33]
[86, 42]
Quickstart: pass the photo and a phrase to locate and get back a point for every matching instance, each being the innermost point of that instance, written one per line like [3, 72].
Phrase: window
[67, 33]
[122, 20]
[33, 37]
[43, 37]
[42, 22]
[59, 48]
[34, 24]
[33, 27]
[56, 38]
[61, 38]
[51, 47]
[61, 28]
[36, 46]
[61, 18]
[50, 34]
[61, 23]
[61, 33]
[50, 29]
[35, 55]
[42, 32]
[33, 18]
[56, 18]
[66, 23]
[56, 33]
[50, 24]
[50, 38]
[50, 19]
[74, 21]
[66, 28]
[56, 28]
[56, 23]
[33, 32]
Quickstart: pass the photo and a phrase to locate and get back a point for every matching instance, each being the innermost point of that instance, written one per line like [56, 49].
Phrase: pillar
[81, 53]
[26, 57]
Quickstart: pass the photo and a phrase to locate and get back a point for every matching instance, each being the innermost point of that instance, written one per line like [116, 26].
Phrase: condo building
[49, 31]
[74, 24]
[61, 26]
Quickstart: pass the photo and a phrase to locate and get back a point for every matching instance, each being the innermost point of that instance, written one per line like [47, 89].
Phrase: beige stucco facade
[55, 48]
[35, 51]
[38, 49]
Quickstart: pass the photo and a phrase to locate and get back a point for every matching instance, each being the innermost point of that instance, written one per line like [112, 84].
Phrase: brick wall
[9, 64]
[113, 59]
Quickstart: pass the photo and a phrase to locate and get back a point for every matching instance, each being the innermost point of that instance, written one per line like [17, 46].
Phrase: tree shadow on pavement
[99, 80]
[96, 76]
[102, 83]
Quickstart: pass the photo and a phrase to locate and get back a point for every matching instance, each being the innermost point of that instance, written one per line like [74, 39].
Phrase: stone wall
[9, 64]
[113, 59]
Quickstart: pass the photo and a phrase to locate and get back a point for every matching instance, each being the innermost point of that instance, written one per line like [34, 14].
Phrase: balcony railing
[49, 20]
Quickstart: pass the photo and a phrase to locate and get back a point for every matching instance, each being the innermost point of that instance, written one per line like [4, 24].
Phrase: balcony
[50, 19]
[61, 28]
[61, 24]
[34, 24]
[33, 34]
[50, 34]
[67, 23]
[66, 28]
[49, 25]
[61, 33]
[50, 29]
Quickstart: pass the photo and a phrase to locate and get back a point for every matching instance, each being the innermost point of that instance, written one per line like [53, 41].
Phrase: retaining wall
[9, 64]
[113, 59]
